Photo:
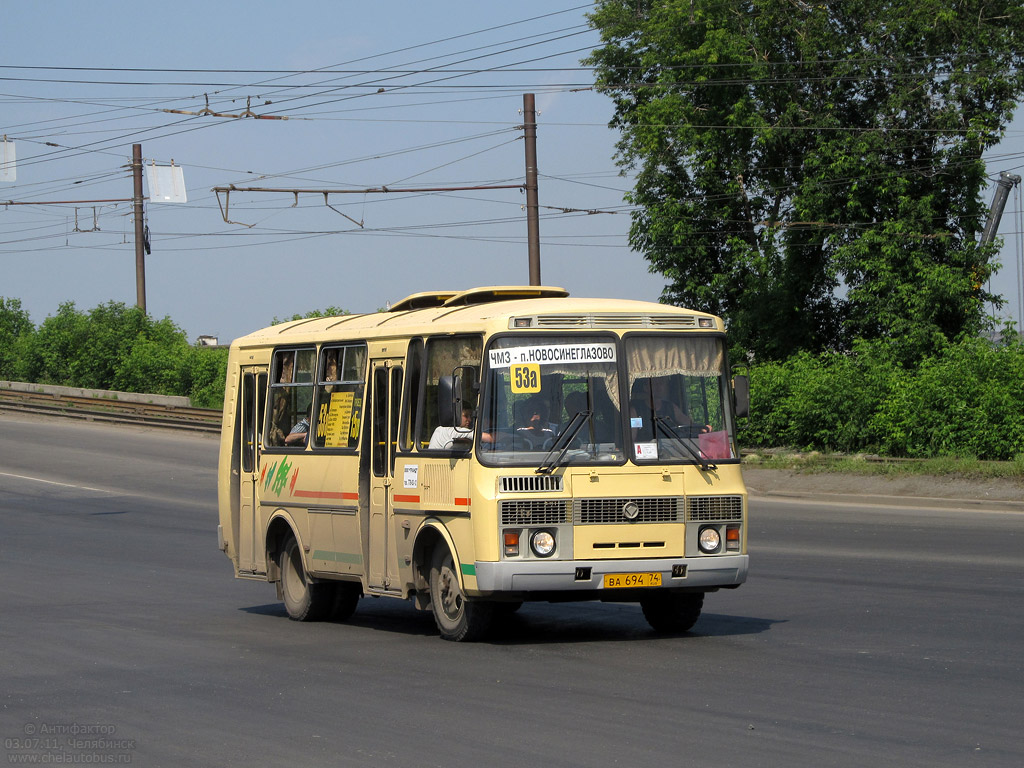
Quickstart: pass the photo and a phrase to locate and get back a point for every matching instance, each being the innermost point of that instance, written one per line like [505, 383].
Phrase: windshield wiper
[671, 433]
[562, 442]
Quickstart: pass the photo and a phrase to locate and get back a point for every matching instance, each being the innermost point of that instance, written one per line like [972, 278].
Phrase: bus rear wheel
[672, 612]
[346, 598]
[457, 618]
[304, 599]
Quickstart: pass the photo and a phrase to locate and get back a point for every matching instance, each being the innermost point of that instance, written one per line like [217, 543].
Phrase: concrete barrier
[97, 394]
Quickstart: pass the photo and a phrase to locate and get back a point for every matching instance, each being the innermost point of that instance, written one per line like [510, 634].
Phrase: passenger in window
[279, 416]
[279, 420]
[331, 369]
[287, 367]
[665, 406]
[299, 435]
[537, 429]
[444, 437]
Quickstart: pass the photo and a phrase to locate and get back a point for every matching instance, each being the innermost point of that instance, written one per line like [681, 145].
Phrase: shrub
[825, 402]
[966, 400]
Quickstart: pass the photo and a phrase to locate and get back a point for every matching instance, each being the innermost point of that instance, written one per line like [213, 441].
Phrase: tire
[457, 618]
[346, 598]
[672, 612]
[304, 599]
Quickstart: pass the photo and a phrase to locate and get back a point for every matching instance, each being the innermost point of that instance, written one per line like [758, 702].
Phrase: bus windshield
[542, 388]
[556, 400]
[678, 399]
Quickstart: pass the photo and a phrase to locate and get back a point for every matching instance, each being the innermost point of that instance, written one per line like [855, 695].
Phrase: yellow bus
[472, 450]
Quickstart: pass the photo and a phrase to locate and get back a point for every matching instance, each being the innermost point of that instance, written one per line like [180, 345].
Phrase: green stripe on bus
[468, 569]
[337, 557]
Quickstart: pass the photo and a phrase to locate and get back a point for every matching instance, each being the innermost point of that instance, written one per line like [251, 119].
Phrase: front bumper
[561, 576]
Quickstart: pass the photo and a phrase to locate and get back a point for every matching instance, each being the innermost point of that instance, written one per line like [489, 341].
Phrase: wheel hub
[451, 595]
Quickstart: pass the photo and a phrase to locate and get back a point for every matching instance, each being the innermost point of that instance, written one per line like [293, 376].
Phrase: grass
[862, 464]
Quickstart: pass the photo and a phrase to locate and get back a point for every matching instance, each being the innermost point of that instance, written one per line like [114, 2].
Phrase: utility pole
[1004, 184]
[532, 204]
[140, 237]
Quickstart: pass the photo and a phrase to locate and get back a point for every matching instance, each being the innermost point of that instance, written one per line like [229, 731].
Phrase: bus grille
[530, 484]
[649, 510]
[700, 508]
[533, 512]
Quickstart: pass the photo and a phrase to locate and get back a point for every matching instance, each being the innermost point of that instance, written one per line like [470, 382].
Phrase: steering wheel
[512, 441]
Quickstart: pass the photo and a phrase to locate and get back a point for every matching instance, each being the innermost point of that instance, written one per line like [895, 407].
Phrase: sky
[399, 95]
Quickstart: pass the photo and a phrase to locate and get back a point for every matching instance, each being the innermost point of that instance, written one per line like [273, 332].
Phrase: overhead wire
[451, 74]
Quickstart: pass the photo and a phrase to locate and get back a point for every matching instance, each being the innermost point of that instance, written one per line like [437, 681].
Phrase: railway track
[204, 420]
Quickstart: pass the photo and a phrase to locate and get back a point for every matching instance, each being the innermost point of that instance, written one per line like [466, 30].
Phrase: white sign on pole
[166, 183]
[8, 171]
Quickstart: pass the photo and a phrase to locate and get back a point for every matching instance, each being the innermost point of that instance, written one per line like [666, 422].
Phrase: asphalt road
[867, 636]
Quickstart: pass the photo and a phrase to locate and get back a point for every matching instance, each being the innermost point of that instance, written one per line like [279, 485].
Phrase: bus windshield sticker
[553, 353]
[647, 451]
[526, 378]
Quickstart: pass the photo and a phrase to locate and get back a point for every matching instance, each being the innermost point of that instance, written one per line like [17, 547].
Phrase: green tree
[329, 312]
[110, 347]
[813, 171]
[205, 376]
[59, 348]
[15, 328]
[97, 349]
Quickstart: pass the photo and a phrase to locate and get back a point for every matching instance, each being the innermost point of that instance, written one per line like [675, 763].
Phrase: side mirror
[448, 391]
[741, 395]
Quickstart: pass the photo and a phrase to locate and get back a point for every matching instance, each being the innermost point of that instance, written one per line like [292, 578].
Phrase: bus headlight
[542, 543]
[709, 540]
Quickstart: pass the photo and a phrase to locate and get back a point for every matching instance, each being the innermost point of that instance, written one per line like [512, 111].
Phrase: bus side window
[414, 361]
[443, 356]
[247, 404]
[339, 396]
[291, 395]
[379, 419]
[396, 404]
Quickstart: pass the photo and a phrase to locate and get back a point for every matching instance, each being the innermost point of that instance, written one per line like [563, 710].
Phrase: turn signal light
[511, 543]
[732, 538]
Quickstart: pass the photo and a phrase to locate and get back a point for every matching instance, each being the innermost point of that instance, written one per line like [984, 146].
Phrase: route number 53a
[526, 378]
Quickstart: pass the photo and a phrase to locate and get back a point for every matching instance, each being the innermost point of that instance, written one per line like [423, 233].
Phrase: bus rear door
[251, 554]
[385, 403]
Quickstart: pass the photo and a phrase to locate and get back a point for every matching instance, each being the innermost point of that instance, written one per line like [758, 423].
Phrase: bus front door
[385, 403]
[251, 555]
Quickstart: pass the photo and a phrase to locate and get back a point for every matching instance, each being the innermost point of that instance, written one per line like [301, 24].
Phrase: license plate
[628, 580]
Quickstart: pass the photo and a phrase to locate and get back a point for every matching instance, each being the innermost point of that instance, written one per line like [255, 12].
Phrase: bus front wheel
[346, 598]
[672, 612]
[456, 617]
[304, 599]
